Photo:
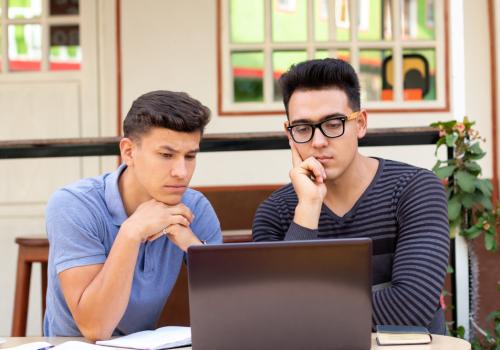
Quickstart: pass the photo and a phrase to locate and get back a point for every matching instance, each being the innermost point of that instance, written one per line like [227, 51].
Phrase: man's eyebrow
[309, 121]
[173, 150]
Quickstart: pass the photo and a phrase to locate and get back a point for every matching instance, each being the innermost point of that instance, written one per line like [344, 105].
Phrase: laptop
[281, 295]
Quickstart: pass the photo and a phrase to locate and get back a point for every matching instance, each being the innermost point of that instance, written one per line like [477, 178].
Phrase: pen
[46, 348]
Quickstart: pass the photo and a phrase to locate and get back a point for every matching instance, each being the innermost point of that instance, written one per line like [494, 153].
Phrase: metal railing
[258, 141]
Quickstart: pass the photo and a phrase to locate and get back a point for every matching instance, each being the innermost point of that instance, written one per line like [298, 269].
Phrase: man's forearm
[105, 299]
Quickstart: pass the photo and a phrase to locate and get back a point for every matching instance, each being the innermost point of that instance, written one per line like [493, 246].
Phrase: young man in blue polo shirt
[117, 241]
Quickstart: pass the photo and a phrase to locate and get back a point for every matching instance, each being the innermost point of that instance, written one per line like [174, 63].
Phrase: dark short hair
[321, 74]
[165, 109]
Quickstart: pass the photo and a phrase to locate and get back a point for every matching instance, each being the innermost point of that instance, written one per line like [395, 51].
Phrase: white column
[457, 58]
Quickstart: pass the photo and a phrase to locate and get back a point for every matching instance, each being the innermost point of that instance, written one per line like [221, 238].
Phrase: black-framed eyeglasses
[332, 127]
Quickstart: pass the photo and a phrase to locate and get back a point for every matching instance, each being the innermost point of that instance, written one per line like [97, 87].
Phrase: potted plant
[471, 212]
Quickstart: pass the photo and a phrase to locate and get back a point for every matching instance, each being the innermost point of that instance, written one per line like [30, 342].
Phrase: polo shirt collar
[113, 197]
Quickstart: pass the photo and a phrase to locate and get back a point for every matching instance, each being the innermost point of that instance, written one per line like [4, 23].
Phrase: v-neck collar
[350, 214]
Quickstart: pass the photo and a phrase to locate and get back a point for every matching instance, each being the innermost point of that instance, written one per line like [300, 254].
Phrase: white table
[439, 342]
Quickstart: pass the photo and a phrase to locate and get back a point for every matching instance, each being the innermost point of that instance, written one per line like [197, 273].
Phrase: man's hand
[308, 178]
[182, 236]
[152, 217]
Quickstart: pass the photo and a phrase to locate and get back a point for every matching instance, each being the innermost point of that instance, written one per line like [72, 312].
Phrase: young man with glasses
[336, 192]
[117, 241]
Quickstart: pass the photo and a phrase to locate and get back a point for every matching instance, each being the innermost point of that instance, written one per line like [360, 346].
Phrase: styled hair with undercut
[319, 74]
[165, 109]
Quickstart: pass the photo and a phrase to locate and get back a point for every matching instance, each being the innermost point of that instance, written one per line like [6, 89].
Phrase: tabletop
[439, 342]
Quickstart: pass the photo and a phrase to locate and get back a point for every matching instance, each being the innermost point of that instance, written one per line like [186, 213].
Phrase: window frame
[45, 21]
[269, 107]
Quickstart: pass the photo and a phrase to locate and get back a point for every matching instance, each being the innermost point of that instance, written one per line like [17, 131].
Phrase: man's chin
[170, 199]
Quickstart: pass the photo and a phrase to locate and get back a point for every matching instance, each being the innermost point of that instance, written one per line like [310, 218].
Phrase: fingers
[296, 158]
[317, 169]
[182, 210]
[155, 236]
[312, 169]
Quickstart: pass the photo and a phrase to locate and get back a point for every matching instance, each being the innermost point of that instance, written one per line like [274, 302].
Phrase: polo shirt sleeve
[206, 225]
[73, 232]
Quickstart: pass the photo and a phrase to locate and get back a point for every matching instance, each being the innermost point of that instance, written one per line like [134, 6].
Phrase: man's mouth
[175, 188]
[323, 159]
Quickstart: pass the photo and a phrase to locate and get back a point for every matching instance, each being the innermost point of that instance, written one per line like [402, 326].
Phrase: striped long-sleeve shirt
[404, 212]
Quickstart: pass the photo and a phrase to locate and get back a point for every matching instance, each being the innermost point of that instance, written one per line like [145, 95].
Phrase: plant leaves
[490, 242]
[472, 232]
[477, 156]
[445, 172]
[468, 200]
[454, 206]
[473, 167]
[486, 202]
[451, 139]
[493, 315]
[466, 181]
[440, 142]
[476, 149]
[485, 186]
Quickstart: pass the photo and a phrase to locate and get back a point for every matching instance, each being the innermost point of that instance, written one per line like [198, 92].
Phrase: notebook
[281, 295]
[401, 335]
[161, 338]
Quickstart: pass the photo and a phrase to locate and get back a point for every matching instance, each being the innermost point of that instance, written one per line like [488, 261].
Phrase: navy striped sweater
[404, 212]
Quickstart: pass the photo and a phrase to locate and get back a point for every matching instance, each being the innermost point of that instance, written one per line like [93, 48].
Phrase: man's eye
[332, 124]
[191, 156]
[302, 129]
[166, 155]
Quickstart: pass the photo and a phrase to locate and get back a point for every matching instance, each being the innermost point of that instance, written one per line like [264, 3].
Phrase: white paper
[31, 346]
[162, 338]
[78, 345]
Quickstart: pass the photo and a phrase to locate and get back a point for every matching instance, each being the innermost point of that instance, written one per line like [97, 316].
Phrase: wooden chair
[31, 250]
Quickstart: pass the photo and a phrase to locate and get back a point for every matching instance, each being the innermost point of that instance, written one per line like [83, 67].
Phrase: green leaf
[473, 167]
[490, 242]
[468, 200]
[460, 332]
[472, 232]
[440, 142]
[477, 156]
[486, 202]
[493, 315]
[445, 172]
[476, 148]
[465, 181]
[450, 269]
[485, 186]
[451, 139]
[454, 206]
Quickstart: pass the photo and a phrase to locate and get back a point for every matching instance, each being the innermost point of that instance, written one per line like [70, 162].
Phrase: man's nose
[179, 169]
[319, 140]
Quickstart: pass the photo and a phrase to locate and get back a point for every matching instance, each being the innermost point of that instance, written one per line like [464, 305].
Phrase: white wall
[47, 105]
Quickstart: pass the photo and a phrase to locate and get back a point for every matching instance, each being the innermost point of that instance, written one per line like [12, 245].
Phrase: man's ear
[286, 124]
[127, 147]
[362, 123]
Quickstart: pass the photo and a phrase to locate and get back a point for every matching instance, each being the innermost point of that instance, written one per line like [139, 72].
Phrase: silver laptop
[281, 295]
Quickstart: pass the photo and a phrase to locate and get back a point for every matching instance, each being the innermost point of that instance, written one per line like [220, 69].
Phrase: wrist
[130, 232]
[307, 214]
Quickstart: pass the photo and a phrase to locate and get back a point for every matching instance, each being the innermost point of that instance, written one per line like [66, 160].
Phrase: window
[398, 48]
[39, 36]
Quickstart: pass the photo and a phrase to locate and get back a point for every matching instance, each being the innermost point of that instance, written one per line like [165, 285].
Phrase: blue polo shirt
[82, 222]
